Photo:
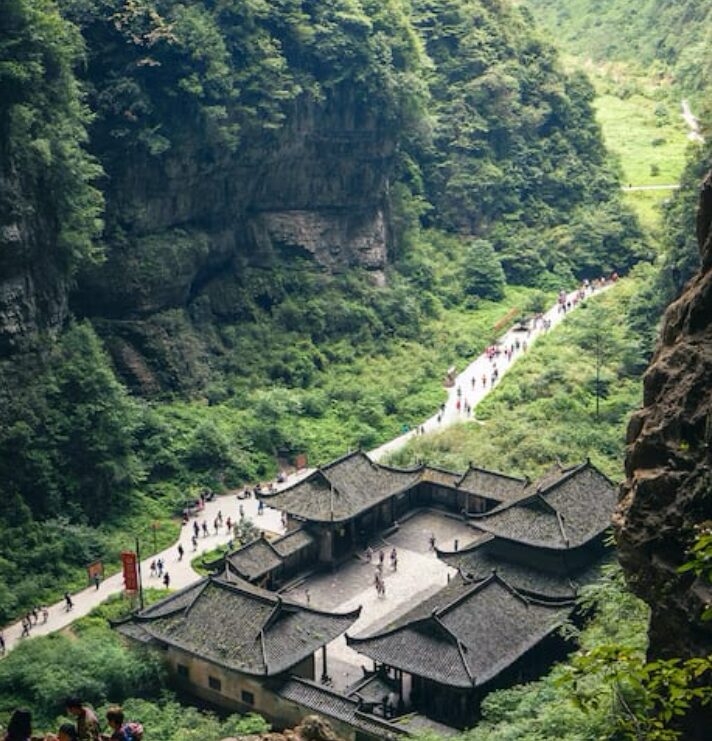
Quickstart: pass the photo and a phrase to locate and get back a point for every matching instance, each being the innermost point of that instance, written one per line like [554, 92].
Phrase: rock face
[668, 492]
[183, 227]
[33, 284]
[317, 188]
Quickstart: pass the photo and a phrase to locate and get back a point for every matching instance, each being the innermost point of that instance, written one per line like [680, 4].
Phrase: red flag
[128, 559]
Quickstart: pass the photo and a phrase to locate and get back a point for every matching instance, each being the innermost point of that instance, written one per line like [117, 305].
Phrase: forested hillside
[672, 36]
[227, 208]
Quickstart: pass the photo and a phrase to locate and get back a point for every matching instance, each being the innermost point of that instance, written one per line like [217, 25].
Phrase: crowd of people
[378, 580]
[86, 726]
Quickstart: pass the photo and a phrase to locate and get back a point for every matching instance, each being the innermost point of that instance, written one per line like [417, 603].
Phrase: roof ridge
[566, 474]
[560, 521]
[342, 458]
[460, 646]
[244, 587]
[474, 586]
[199, 586]
[472, 467]
[263, 649]
[471, 546]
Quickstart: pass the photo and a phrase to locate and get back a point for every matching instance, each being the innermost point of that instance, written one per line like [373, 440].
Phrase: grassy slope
[643, 128]
[544, 408]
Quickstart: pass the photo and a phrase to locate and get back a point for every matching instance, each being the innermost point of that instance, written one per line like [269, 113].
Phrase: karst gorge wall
[667, 497]
[297, 164]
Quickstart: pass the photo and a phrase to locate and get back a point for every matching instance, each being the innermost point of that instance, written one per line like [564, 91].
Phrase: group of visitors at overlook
[86, 726]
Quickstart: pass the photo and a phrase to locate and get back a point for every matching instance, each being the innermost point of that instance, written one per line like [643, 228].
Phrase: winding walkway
[181, 572]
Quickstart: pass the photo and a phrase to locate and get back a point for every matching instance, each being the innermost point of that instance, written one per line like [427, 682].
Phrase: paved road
[181, 573]
[634, 188]
[479, 367]
[692, 123]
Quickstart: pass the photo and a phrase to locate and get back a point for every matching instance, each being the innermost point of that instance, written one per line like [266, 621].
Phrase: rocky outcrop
[182, 228]
[33, 282]
[668, 492]
[317, 188]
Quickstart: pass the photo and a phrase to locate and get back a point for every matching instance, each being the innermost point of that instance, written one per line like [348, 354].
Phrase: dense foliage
[43, 120]
[500, 175]
[515, 153]
[161, 70]
[671, 36]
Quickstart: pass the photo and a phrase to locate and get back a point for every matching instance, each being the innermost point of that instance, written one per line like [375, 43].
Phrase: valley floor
[181, 572]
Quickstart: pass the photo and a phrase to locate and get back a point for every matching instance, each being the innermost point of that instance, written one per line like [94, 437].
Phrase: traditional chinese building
[231, 643]
[235, 644]
[352, 498]
[496, 624]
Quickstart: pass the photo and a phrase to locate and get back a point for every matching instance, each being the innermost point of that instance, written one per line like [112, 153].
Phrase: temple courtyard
[420, 574]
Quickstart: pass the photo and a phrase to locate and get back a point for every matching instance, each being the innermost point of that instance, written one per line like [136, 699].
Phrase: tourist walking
[205, 529]
[152, 568]
[166, 580]
[196, 529]
[216, 525]
[431, 540]
[260, 508]
[369, 554]
[194, 541]
[180, 552]
[228, 524]
[97, 582]
[45, 614]
[68, 604]
[25, 628]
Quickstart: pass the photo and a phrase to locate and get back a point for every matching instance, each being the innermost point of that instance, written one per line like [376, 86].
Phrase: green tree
[484, 276]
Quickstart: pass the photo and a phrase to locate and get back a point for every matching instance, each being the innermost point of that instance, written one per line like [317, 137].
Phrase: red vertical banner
[128, 559]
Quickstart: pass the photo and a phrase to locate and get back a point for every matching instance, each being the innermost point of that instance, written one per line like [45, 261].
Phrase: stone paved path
[475, 370]
[420, 573]
[181, 572]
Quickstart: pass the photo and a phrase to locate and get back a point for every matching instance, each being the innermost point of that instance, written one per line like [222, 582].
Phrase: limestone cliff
[668, 492]
[33, 280]
[318, 187]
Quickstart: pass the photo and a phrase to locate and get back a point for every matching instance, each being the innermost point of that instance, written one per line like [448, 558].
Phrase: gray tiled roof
[342, 489]
[254, 559]
[564, 511]
[477, 562]
[472, 633]
[491, 484]
[293, 541]
[240, 626]
[335, 705]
